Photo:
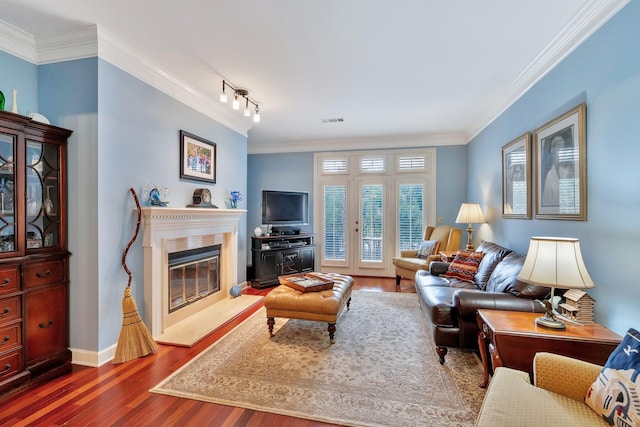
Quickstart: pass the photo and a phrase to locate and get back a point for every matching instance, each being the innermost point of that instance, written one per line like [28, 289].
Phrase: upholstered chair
[408, 262]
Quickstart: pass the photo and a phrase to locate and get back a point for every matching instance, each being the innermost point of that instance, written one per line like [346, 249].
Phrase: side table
[512, 339]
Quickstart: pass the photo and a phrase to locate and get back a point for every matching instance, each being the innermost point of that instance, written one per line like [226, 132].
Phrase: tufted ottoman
[321, 306]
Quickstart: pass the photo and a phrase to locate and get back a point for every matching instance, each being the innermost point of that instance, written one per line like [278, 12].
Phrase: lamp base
[549, 322]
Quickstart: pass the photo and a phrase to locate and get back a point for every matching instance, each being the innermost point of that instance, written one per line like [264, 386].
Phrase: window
[335, 201]
[410, 216]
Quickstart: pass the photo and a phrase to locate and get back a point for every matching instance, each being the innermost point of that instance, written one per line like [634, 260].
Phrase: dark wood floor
[118, 395]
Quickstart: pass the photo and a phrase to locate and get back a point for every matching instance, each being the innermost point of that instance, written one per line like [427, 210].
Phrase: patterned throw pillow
[464, 265]
[428, 247]
[614, 394]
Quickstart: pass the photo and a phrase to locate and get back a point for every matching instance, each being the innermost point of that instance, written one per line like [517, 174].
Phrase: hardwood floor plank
[118, 395]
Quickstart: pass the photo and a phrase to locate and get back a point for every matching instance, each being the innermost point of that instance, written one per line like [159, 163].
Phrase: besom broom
[135, 340]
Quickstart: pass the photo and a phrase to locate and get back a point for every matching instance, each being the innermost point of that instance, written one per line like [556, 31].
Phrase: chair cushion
[493, 254]
[427, 247]
[504, 278]
[614, 394]
[414, 264]
[464, 265]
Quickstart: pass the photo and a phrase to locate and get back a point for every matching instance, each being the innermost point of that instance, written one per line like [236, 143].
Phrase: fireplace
[193, 274]
[191, 231]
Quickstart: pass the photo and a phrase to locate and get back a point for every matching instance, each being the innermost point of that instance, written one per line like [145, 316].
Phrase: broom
[135, 340]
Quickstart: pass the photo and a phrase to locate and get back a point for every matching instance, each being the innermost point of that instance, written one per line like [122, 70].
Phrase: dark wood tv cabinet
[274, 256]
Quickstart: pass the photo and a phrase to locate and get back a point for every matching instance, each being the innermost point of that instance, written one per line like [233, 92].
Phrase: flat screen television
[285, 207]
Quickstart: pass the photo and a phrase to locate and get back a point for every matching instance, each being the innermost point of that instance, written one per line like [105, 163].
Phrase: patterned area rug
[381, 371]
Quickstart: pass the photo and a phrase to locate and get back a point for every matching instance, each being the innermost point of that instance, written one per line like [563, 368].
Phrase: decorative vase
[257, 231]
[234, 204]
[235, 291]
[48, 203]
[14, 101]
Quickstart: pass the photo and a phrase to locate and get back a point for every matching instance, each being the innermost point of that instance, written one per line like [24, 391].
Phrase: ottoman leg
[332, 331]
[348, 303]
[270, 323]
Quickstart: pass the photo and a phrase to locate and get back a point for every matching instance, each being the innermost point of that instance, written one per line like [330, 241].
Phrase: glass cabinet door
[7, 193]
[43, 203]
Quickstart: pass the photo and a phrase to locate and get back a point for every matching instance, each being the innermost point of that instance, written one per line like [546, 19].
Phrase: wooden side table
[512, 339]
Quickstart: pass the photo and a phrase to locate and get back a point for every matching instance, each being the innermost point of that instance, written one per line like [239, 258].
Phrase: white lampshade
[470, 213]
[555, 262]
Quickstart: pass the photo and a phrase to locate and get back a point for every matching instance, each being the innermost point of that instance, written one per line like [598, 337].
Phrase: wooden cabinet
[274, 256]
[34, 325]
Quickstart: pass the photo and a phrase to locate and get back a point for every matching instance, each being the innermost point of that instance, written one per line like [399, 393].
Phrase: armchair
[408, 263]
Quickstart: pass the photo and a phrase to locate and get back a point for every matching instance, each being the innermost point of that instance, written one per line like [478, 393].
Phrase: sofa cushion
[504, 278]
[427, 247]
[492, 255]
[438, 299]
[464, 265]
[614, 394]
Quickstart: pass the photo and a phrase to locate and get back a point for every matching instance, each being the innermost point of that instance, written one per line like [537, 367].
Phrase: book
[306, 282]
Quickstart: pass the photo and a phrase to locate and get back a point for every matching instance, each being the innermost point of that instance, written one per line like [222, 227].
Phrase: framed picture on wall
[197, 158]
[561, 167]
[516, 178]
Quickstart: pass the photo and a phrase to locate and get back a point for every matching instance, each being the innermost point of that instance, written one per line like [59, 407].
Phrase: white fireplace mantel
[167, 230]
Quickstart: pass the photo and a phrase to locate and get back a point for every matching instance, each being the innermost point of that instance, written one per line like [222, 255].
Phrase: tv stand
[274, 256]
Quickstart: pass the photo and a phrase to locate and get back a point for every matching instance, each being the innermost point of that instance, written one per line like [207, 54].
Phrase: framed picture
[561, 167]
[197, 158]
[516, 178]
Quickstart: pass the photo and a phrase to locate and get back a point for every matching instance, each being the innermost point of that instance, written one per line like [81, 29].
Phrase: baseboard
[93, 359]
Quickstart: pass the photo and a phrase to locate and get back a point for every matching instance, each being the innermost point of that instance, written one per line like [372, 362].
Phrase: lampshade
[470, 213]
[555, 262]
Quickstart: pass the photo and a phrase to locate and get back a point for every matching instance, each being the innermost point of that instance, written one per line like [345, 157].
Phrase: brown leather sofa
[449, 305]
[408, 263]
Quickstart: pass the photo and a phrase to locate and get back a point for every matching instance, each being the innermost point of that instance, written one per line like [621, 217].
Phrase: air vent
[335, 120]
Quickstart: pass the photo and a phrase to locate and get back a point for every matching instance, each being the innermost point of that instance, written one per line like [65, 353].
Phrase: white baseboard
[93, 359]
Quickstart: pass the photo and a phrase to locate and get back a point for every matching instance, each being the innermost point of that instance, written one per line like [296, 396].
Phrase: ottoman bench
[320, 306]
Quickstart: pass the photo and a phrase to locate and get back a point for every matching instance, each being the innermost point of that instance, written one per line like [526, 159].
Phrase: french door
[367, 211]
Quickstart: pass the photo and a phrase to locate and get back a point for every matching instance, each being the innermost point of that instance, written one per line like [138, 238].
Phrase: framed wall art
[197, 158]
[516, 178]
[561, 167]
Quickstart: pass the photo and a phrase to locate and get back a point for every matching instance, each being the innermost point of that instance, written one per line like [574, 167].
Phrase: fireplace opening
[193, 274]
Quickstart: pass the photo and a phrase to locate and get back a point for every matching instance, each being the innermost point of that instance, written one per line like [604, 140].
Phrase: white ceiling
[409, 71]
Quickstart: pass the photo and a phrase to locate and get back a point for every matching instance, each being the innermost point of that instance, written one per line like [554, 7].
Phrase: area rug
[381, 371]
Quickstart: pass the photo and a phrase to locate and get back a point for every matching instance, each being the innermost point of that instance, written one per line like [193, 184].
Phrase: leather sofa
[555, 399]
[449, 305]
[408, 263]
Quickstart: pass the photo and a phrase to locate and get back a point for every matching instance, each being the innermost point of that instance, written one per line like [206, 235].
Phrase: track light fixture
[238, 94]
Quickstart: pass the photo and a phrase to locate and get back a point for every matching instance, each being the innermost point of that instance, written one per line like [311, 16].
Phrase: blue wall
[604, 72]
[125, 134]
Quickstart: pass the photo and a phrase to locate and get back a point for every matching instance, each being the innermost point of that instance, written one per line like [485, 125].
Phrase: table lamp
[554, 262]
[470, 213]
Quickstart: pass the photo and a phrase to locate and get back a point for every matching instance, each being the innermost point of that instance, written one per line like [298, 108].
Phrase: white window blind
[334, 165]
[411, 163]
[372, 222]
[334, 232]
[411, 216]
[372, 164]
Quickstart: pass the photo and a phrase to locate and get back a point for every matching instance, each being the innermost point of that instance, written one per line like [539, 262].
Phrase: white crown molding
[586, 22]
[122, 56]
[18, 43]
[75, 43]
[369, 143]
[90, 41]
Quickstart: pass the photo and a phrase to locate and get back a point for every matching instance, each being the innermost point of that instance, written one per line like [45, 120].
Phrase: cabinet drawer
[10, 337]
[43, 273]
[10, 309]
[45, 322]
[9, 280]
[10, 364]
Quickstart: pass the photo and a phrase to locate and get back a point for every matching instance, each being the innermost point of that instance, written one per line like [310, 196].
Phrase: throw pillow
[464, 265]
[428, 247]
[614, 394]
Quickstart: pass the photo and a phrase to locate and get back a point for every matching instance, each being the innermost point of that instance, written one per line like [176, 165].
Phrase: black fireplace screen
[193, 274]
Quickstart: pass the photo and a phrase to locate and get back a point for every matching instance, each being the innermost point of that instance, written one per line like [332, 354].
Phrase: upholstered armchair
[408, 262]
